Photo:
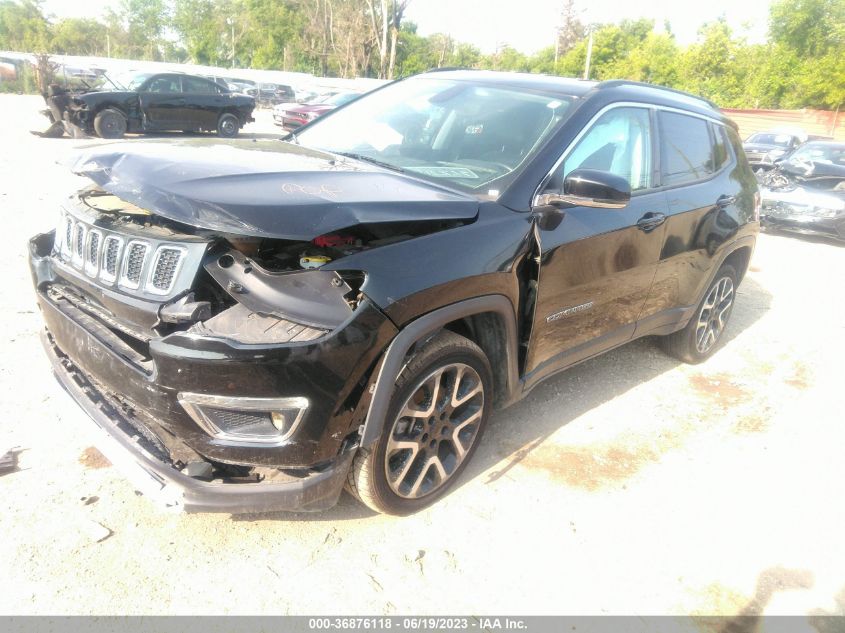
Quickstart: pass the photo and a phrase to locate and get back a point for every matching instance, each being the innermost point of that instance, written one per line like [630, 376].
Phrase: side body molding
[394, 358]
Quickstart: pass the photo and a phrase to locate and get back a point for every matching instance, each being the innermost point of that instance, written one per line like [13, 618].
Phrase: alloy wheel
[714, 314]
[434, 431]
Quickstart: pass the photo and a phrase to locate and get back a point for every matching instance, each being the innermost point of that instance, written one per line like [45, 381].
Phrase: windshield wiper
[371, 160]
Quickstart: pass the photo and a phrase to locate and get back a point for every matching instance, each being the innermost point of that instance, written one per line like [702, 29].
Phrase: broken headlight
[266, 421]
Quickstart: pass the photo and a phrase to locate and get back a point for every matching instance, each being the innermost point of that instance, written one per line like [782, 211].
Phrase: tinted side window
[685, 148]
[721, 153]
[164, 84]
[200, 86]
[619, 142]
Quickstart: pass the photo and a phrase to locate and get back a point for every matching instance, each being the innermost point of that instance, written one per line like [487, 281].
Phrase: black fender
[419, 329]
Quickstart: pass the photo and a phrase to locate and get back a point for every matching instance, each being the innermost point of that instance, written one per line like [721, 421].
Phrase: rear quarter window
[686, 149]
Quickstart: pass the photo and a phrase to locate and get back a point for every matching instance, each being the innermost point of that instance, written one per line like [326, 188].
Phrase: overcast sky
[529, 25]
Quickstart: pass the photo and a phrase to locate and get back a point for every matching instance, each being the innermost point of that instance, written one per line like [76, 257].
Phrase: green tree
[78, 36]
[23, 26]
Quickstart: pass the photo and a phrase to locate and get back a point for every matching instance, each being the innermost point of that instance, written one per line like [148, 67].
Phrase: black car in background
[254, 326]
[764, 148]
[153, 102]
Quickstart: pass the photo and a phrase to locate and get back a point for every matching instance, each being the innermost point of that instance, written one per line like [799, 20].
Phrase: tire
[110, 123]
[704, 333]
[403, 471]
[228, 125]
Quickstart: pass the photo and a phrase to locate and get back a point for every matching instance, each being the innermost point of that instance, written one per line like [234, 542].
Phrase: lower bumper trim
[315, 492]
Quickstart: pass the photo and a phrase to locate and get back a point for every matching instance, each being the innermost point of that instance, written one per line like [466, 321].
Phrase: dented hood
[265, 188]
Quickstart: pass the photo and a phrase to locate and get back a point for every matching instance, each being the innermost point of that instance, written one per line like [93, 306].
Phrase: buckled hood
[264, 188]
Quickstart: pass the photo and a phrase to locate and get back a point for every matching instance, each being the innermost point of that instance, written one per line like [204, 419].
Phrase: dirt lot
[629, 485]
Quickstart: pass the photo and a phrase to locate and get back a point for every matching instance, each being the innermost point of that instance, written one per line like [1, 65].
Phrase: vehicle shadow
[512, 434]
[803, 237]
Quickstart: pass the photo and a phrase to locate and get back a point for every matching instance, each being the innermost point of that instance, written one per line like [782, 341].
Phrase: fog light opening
[263, 421]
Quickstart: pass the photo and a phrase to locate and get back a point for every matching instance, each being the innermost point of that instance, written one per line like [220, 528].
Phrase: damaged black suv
[254, 325]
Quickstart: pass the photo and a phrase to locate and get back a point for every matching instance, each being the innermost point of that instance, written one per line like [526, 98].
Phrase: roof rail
[614, 83]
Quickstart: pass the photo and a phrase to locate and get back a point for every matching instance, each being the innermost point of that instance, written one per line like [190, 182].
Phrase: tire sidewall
[393, 503]
[220, 129]
[100, 118]
[726, 270]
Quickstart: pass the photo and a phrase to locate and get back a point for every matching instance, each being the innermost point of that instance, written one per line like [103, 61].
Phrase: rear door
[597, 265]
[162, 102]
[699, 179]
[203, 103]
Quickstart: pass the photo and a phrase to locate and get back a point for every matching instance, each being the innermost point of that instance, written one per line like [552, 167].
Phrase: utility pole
[589, 56]
[108, 45]
[231, 23]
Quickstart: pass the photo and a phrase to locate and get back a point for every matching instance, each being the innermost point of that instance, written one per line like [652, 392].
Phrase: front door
[162, 102]
[597, 265]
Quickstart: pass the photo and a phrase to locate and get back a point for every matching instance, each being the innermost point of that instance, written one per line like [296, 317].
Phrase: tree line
[800, 65]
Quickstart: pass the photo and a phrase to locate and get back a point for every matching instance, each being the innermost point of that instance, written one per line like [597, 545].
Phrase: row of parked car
[802, 181]
[110, 106]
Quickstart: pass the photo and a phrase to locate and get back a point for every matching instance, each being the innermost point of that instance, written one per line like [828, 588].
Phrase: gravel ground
[630, 484]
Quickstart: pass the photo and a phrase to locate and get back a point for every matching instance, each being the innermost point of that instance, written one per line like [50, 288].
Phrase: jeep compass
[255, 325]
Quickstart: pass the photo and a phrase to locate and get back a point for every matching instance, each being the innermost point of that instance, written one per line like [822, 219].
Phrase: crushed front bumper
[318, 490]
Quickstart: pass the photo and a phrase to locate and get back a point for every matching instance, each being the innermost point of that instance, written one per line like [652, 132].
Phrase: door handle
[650, 221]
[180, 102]
[725, 201]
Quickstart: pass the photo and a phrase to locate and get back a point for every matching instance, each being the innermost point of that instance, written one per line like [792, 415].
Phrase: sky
[529, 25]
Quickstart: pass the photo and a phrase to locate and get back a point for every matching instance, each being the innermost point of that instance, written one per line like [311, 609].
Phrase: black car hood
[265, 188]
[814, 169]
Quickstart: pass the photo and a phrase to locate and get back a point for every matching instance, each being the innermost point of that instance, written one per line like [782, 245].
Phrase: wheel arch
[739, 258]
[106, 105]
[489, 321]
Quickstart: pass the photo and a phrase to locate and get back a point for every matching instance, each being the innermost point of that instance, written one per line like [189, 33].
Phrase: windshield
[460, 133]
[341, 99]
[830, 153]
[129, 81]
[782, 140]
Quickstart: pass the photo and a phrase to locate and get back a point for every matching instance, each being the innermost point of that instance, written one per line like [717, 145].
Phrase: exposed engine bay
[248, 288]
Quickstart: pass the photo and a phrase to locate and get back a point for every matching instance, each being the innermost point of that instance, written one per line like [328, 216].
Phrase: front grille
[139, 263]
[134, 264]
[164, 270]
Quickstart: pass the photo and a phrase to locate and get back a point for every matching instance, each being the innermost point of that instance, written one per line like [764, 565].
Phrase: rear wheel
[228, 125]
[704, 332]
[110, 123]
[435, 420]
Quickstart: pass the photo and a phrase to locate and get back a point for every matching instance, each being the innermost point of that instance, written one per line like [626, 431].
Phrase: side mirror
[589, 188]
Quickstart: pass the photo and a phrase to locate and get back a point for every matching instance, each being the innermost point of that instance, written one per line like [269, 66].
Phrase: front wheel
[435, 420]
[110, 123]
[705, 330]
[228, 125]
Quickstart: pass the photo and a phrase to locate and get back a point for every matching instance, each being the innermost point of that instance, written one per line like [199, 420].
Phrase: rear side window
[721, 153]
[686, 150]
[199, 86]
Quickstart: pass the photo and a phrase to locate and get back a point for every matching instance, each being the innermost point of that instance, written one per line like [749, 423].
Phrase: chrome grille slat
[133, 264]
[92, 252]
[111, 258]
[164, 269]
